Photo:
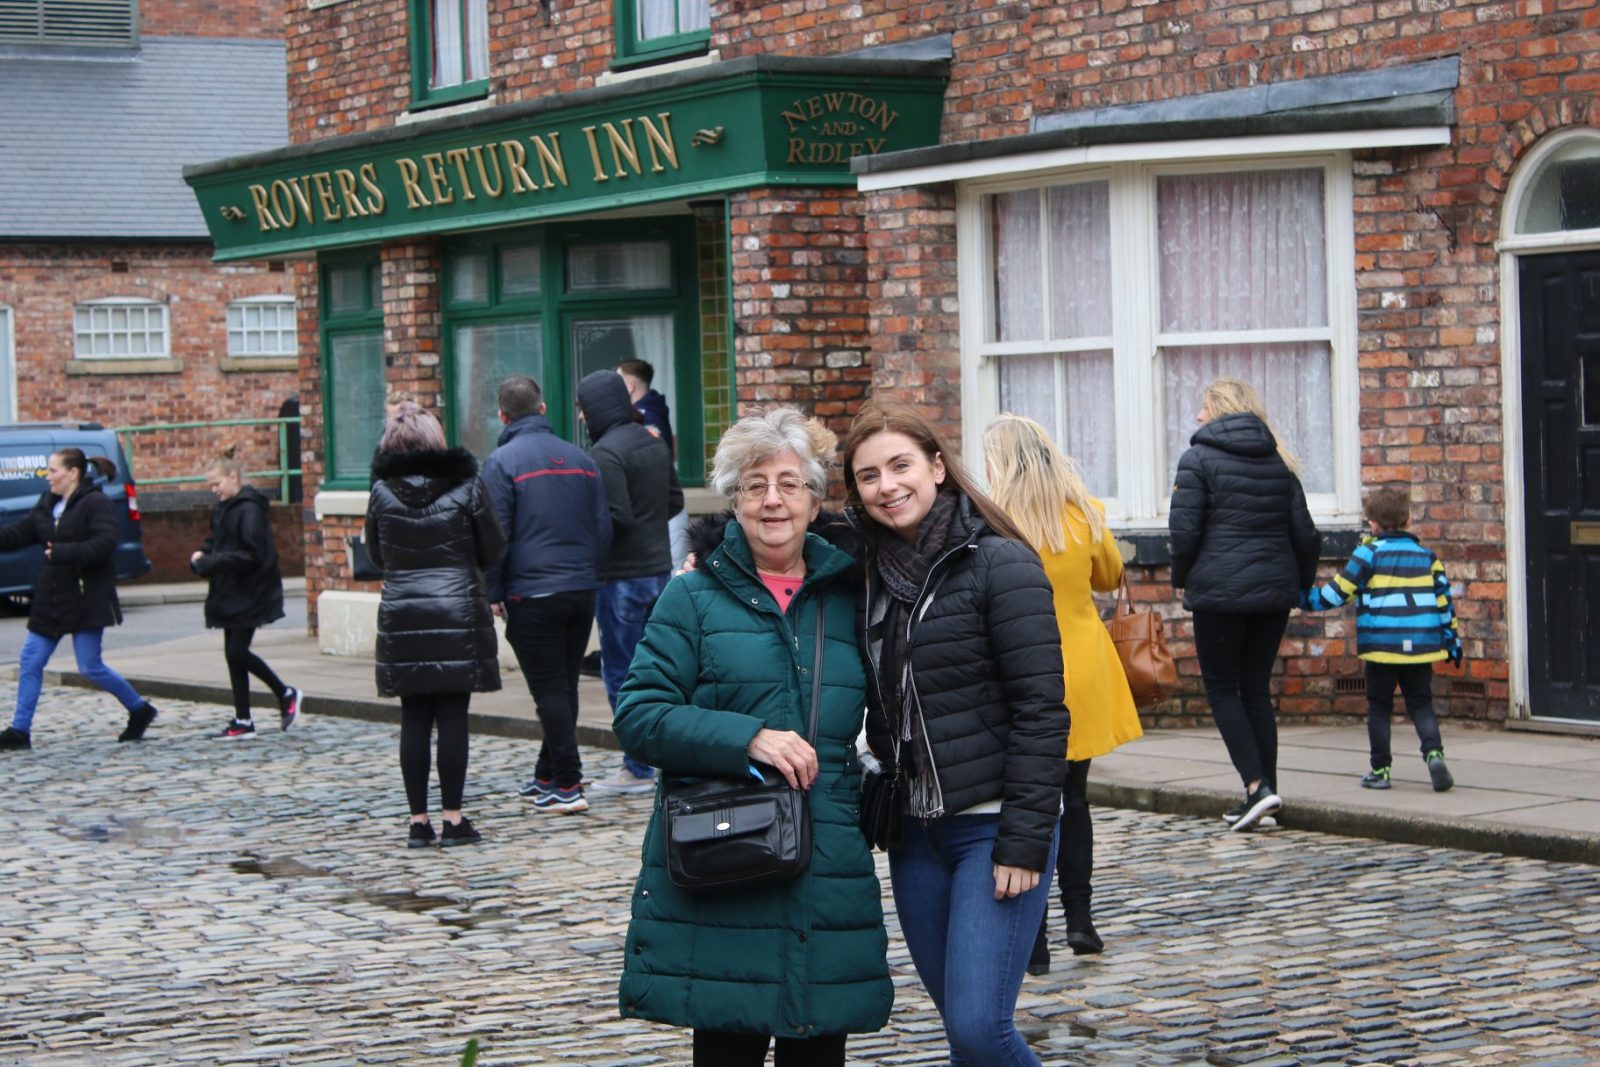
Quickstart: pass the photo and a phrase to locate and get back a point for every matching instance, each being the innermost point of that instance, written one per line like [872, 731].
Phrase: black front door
[1561, 476]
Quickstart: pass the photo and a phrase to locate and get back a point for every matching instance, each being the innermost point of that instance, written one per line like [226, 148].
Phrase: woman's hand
[1013, 881]
[48, 545]
[195, 558]
[789, 753]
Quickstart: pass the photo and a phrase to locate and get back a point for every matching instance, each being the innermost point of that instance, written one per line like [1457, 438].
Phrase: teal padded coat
[718, 662]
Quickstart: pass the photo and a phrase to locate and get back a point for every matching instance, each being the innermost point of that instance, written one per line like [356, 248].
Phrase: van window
[22, 469]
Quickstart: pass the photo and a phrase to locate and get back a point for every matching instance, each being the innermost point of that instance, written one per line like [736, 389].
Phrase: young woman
[1243, 549]
[76, 591]
[965, 698]
[431, 528]
[240, 562]
[1041, 489]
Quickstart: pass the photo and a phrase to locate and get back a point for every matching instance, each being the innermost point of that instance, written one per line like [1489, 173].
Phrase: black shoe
[11, 737]
[1039, 962]
[590, 666]
[139, 720]
[459, 833]
[289, 708]
[1085, 942]
[1231, 816]
[421, 836]
[1442, 778]
[1262, 802]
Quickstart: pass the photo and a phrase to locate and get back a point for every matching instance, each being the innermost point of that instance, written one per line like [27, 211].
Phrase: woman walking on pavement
[1244, 548]
[1043, 492]
[240, 562]
[432, 530]
[75, 592]
[964, 657]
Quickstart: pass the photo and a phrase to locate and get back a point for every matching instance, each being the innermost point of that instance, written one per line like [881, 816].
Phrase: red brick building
[111, 307]
[1383, 214]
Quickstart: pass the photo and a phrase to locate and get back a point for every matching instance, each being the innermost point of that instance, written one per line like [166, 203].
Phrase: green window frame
[424, 93]
[485, 302]
[352, 398]
[636, 50]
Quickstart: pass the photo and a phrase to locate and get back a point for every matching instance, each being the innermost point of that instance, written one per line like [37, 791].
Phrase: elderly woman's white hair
[757, 438]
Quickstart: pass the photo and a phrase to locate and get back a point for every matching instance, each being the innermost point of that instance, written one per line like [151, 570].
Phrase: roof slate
[92, 146]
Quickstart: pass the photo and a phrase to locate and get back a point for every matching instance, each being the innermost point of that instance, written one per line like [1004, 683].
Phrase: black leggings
[716, 1048]
[1075, 859]
[1237, 652]
[418, 714]
[242, 663]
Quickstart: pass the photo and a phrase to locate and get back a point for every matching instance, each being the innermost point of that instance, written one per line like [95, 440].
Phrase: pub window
[103, 23]
[1112, 297]
[649, 31]
[449, 51]
[261, 326]
[352, 375]
[120, 328]
[494, 319]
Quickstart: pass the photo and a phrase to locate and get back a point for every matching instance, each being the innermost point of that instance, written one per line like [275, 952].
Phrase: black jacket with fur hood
[432, 530]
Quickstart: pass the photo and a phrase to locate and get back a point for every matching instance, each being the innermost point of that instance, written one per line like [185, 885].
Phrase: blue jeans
[970, 949]
[620, 609]
[36, 651]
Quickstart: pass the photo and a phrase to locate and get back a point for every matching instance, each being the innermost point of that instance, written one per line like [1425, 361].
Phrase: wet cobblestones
[193, 901]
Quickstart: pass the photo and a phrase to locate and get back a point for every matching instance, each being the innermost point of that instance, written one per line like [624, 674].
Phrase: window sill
[242, 364]
[1149, 546]
[633, 68]
[124, 366]
[453, 97]
[334, 501]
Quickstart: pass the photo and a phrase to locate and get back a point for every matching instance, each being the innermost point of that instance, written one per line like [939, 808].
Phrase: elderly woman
[721, 679]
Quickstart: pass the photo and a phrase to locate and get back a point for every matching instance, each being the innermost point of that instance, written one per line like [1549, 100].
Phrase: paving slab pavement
[1528, 794]
[184, 900]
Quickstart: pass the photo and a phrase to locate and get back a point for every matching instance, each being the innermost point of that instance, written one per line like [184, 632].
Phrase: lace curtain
[664, 18]
[1072, 394]
[453, 64]
[1246, 251]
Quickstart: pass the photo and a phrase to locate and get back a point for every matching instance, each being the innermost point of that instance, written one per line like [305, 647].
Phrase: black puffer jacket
[77, 587]
[1242, 539]
[432, 530]
[986, 664]
[241, 563]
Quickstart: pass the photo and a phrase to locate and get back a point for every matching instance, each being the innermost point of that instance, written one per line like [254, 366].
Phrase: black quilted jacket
[986, 667]
[1242, 539]
[77, 586]
[432, 530]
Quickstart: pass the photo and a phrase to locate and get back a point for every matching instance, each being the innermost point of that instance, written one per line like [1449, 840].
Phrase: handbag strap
[1124, 602]
[816, 680]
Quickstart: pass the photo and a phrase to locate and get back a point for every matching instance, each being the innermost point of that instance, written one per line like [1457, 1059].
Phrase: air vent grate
[1349, 685]
[81, 22]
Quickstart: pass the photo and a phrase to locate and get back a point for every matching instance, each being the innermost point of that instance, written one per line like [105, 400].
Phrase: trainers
[1442, 779]
[11, 737]
[289, 708]
[536, 787]
[625, 781]
[421, 835]
[139, 720]
[1231, 816]
[236, 731]
[568, 801]
[459, 833]
[1377, 778]
[1262, 802]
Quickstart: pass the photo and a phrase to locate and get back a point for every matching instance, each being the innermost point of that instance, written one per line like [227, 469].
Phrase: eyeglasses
[787, 487]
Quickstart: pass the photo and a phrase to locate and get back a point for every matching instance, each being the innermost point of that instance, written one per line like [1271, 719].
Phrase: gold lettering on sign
[550, 161]
[302, 195]
[409, 177]
[330, 206]
[594, 155]
[285, 214]
[458, 156]
[655, 139]
[258, 197]
[494, 189]
[369, 180]
[353, 207]
[835, 127]
[437, 179]
[517, 163]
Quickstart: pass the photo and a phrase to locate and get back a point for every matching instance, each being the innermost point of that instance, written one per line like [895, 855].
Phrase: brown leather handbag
[1141, 646]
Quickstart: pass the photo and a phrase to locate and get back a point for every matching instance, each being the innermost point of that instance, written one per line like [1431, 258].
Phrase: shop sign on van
[765, 120]
[23, 467]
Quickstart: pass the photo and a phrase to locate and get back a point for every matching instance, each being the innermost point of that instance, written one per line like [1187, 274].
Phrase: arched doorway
[1550, 279]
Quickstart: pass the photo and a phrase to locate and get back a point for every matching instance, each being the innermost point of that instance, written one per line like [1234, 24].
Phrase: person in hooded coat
[76, 591]
[431, 528]
[240, 562]
[1244, 548]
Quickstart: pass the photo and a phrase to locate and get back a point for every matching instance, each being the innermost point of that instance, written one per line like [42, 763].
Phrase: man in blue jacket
[552, 506]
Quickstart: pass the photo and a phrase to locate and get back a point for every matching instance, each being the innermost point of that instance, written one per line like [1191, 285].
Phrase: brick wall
[41, 283]
[171, 537]
[207, 18]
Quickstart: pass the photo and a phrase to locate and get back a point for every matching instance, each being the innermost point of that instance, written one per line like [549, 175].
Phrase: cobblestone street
[191, 901]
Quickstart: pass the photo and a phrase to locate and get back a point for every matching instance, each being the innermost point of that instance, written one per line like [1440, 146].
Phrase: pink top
[782, 589]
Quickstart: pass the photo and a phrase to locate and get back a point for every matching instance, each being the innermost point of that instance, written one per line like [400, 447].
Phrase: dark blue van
[24, 450]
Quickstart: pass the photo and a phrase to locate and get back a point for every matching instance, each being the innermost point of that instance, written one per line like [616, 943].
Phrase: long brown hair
[893, 416]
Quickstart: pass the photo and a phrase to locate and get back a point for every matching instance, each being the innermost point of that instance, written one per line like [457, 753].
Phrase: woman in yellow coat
[1041, 489]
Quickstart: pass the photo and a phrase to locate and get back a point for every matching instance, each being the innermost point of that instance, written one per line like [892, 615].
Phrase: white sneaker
[624, 781]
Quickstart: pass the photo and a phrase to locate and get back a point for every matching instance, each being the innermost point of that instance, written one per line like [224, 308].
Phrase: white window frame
[1136, 342]
[112, 303]
[8, 350]
[280, 304]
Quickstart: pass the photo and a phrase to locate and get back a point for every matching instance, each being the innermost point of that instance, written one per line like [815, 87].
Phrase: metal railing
[282, 472]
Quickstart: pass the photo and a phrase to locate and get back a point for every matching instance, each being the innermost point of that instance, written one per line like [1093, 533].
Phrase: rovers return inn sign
[761, 121]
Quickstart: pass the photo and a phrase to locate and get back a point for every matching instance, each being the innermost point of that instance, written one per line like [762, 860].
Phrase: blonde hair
[1234, 396]
[226, 461]
[1033, 481]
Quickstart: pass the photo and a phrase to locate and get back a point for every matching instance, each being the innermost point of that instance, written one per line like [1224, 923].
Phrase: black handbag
[724, 835]
[882, 808]
[362, 569]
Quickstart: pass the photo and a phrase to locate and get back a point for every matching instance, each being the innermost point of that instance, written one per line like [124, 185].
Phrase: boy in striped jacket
[1405, 623]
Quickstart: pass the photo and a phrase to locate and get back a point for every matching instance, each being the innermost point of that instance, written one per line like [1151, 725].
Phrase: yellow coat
[1103, 715]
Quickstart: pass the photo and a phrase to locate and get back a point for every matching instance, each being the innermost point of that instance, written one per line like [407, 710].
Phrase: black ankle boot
[1081, 935]
[1039, 962]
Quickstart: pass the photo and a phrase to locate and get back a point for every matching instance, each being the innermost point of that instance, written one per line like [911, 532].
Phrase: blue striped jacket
[1404, 613]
